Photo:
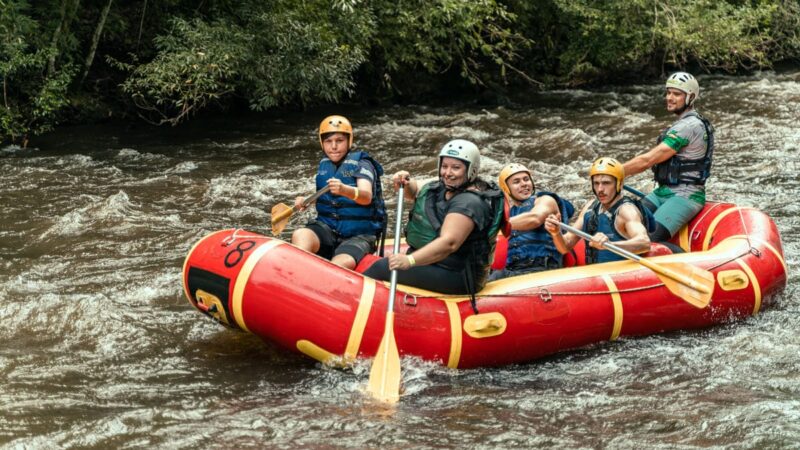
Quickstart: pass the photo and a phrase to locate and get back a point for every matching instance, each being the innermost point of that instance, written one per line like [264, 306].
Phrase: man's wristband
[411, 261]
[355, 194]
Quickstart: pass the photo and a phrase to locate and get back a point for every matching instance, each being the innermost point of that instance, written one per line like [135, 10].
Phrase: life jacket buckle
[545, 295]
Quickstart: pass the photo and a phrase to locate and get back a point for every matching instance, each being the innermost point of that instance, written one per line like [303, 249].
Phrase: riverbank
[167, 62]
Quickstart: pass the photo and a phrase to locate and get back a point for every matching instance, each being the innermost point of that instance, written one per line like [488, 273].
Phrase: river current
[100, 349]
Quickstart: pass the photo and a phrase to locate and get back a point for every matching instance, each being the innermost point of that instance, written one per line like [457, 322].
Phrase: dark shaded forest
[163, 61]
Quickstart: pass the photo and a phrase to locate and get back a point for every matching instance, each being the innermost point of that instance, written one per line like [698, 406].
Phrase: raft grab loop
[412, 302]
[485, 325]
[545, 295]
[732, 280]
[234, 236]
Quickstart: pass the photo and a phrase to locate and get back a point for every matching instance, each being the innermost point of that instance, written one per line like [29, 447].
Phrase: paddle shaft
[621, 252]
[384, 376]
[286, 213]
[632, 256]
[633, 191]
[396, 249]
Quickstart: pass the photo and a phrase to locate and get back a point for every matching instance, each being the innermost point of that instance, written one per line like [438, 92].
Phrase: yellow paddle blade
[693, 284]
[280, 217]
[384, 377]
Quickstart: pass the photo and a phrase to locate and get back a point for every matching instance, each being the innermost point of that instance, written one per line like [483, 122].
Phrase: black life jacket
[676, 170]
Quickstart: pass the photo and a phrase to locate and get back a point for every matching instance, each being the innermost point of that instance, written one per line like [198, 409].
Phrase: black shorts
[433, 277]
[331, 244]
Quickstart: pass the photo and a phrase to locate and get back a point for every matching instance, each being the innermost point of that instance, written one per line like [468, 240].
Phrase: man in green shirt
[681, 160]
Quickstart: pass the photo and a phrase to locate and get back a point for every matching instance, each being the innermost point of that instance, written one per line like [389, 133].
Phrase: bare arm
[655, 155]
[629, 224]
[410, 185]
[455, 230]
[565, 242]
[542, 207]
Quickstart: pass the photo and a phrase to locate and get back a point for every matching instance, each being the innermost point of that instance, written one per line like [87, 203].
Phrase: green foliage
[284, 53]
[305, 53]
[169, 59]
[31, 100]
[633, 35]
[196, 64]
[433, 36]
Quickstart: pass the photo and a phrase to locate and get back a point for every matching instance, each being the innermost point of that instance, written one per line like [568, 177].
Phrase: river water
[99, 348]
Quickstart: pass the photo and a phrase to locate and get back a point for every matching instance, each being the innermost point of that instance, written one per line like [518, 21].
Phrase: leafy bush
[279, 55]
[31, 99]
[632, 35]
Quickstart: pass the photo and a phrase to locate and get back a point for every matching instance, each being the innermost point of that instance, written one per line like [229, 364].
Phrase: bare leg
[345, 261]
[306, 239]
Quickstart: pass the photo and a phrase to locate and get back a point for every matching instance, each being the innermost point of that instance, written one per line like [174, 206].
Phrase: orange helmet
[336, 124]
[509, 170]
[608, 166]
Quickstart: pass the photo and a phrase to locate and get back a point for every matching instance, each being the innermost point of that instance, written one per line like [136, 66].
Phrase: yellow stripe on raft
[244, 277]
[455, 335]
[360, 320]
[616, 299]
[684, 239]
[320, 354]
[716, 221]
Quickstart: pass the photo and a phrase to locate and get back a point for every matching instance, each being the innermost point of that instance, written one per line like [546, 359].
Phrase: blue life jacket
[529, 248]
[343, 215]
[594, 221]
[676, 170]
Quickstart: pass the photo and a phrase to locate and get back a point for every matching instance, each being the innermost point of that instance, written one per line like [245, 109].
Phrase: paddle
[384, 377]
[282, 212]
[633, 191]
[693, 284]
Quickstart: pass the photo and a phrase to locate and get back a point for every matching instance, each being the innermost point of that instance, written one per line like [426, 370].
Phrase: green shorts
[673, 210]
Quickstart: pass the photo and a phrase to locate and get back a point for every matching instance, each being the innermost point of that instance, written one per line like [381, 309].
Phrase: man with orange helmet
[681, 160]
[611, 217]
[351, 215]
[530, 246]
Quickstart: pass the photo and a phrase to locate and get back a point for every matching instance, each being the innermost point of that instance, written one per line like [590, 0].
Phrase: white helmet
[685, 82]
[465, 151]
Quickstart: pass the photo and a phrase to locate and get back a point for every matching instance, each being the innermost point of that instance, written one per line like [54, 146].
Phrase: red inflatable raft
[304, 303]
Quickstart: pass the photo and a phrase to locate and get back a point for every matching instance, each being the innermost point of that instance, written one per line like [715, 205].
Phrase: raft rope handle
[546, 293]
[234, 236]
[744, 226]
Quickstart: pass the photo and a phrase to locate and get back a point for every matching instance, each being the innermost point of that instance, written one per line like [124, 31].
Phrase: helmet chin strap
[462, 187]
[686, 105]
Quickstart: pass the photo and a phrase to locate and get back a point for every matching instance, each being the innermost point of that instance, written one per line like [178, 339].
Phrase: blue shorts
[672, 211]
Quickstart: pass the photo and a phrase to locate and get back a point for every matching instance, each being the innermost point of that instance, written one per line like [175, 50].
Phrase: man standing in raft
[452, 226]
[611, 217]
[681, 160]
[351, 215]
[530, 246]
